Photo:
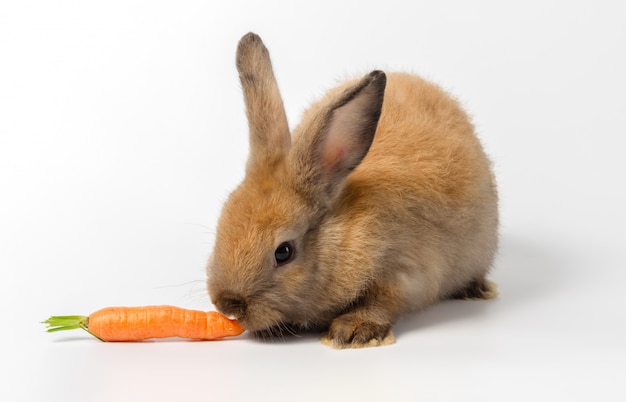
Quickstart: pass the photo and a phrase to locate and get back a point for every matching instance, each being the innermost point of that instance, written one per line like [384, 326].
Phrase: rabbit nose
[231, 305]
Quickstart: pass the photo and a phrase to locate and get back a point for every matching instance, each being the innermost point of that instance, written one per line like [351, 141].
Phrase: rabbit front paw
[352, 331]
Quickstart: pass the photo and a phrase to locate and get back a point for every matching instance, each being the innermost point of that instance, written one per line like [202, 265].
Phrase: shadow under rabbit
[525, 270]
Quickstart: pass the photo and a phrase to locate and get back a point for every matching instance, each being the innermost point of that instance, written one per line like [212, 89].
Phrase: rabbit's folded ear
[345, 130]
[269, 131]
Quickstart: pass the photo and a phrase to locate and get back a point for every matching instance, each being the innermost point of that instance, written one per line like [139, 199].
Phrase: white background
[122, 131]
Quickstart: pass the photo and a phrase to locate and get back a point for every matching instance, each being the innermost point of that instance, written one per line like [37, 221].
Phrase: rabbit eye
[284, 253]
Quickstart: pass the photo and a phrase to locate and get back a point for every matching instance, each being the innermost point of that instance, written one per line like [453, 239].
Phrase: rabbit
[381, 202]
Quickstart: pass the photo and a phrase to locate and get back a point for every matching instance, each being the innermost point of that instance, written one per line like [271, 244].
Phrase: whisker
[195, 281]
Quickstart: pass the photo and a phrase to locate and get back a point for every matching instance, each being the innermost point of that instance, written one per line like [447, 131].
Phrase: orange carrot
[127, 324]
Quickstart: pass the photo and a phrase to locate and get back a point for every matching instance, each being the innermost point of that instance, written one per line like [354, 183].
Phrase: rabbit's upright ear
[269, 131]
[341, 136]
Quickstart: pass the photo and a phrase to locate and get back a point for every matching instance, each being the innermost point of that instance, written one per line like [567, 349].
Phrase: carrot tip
[67, 322]
[64, 322]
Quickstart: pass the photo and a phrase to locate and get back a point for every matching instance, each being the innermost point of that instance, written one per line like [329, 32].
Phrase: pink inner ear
[343, 146]
[332, 156]
[339, 138]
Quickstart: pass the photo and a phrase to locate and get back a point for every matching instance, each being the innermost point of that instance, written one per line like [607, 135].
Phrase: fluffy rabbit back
[429, 168]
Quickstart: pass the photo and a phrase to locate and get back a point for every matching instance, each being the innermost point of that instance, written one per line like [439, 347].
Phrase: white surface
[122, 131]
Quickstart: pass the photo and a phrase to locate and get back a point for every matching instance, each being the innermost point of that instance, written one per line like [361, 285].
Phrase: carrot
[127, 324]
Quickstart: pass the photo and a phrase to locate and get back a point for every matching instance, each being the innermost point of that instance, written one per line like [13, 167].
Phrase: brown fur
[390, 208]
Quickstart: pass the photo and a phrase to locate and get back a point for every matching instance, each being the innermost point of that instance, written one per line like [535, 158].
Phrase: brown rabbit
[381, 202]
